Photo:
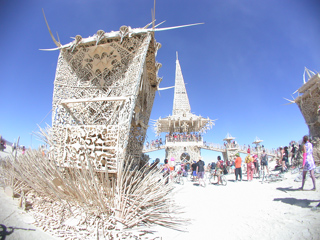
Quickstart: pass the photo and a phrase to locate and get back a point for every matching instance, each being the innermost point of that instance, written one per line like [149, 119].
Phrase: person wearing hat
[237, 163]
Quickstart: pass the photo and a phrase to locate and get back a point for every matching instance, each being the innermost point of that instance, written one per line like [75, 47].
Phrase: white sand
[248, 210]
[242, 210]
[16, 224]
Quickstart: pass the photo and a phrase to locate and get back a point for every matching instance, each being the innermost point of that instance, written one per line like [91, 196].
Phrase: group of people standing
[183, 137]
[253, 163]
[304, 156]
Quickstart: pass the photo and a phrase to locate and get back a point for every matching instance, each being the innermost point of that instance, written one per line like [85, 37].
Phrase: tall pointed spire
[181, 104]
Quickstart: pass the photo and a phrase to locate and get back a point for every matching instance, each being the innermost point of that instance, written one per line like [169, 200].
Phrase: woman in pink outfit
[250, 167]
[308, 162]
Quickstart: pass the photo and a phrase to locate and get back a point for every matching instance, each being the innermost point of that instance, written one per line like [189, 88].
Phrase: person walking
[285, 159]
[194, 170]
[255, 163]
[299, 156]
[293, 153]
[238, 170]
[264, 161]
[308, 162]
[218, 170]
[212, 166]
[166, 171]
[200, 165]
[250, 167]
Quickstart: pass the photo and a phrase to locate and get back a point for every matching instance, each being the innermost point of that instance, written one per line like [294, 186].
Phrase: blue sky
[238, 66]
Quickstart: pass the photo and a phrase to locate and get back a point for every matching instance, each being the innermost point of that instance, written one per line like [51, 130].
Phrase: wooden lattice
[309, 105]
[103, 94]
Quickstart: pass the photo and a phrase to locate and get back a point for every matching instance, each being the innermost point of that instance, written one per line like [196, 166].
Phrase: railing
[240, 148]
[184, 138]
[214, 146]
[153, 148]
[156, 145]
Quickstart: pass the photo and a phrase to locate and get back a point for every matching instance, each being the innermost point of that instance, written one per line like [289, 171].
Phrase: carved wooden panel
[102, 100]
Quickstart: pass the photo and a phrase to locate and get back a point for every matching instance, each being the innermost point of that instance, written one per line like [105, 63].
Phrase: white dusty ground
[249, 210]
[240, 210]
[16, 224]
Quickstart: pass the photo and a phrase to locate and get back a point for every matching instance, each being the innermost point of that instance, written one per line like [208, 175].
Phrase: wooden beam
[98, 99]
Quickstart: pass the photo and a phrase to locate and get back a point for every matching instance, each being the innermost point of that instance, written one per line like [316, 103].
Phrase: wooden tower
[103, 94]
[183, 128]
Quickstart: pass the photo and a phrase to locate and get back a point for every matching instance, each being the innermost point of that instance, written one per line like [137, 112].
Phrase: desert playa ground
[249, 210]
[240, 210]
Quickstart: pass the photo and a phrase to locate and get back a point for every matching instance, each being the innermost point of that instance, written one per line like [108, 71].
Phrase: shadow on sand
[290, 189]
[304, 203]
[4, 231]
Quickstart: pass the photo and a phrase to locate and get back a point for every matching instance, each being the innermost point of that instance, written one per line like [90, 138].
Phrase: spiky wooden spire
[181, 103]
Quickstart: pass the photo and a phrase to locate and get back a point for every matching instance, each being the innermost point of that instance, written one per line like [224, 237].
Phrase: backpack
[213, 165]
[248, 159]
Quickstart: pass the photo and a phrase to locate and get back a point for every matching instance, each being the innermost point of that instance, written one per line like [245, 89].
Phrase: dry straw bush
[72, 201]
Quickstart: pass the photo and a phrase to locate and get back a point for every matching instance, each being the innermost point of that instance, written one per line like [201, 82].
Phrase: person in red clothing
[237, 163]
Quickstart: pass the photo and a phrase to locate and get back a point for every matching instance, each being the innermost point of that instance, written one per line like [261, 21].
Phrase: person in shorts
[200, 165]
[238, 170]
[264, 161]
[194, 170]
[218, 170]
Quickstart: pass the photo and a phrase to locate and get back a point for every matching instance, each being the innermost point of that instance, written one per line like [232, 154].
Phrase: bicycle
[192, 178]
[273, 177]
[178, 179]
[203, 182]
[296, 169]
[257, 173]
[316, 174]
[265, 177]
[213, 178]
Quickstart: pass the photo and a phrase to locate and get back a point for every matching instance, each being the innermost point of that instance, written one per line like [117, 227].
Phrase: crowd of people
[183, 137]
[14, 146]
[251, 164]
[154, 143]
[176, 137]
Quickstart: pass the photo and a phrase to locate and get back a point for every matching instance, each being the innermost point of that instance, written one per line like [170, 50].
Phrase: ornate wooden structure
[184, 131]
[182, 124]
[308, 101]
[103, 94]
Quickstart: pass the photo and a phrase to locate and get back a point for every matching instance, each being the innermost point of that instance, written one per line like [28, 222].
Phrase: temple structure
[183, 129]
[308, 101]
[103, 94]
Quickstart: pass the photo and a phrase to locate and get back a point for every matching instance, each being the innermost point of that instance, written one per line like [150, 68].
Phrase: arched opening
[185, 157]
